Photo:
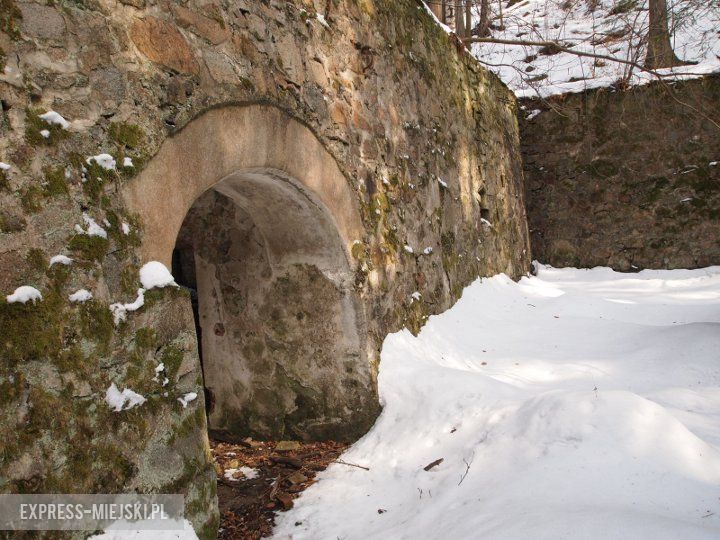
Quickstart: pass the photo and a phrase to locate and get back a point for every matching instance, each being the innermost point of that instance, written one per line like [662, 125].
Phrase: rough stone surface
[396, 139]
[162, 43]
[624, 179]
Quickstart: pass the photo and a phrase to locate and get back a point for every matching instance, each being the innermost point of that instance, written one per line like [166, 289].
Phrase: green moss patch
[96, 323]
[9, 16]
[96, 177]
[126, 135]
[89, 248]
[145, 339]
[31, 199]
[31, 331]
[55, 183]
[34, 126]
[10, 223]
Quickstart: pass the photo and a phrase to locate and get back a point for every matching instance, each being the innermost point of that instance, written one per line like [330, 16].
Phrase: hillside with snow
[574, 404]
[615, 28]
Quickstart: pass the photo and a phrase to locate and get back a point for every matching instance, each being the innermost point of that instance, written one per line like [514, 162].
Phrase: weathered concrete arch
[220, 143]
[256, 216]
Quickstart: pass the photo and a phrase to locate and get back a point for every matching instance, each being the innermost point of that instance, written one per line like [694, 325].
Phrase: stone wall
[425, 142]
[625, 179]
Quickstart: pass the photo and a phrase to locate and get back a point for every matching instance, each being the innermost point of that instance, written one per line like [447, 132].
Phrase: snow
[155, 274]
[45, 133]
[321, 19]
[120, 310]
[128, 162]
[187, 398]
[574, 404]
[53, 118]
[408, 248]
[116, 532]
[125, 228]
[122, 401]
[598, 31]
[80, 296]
[23, 295]
[4, 166]
[60, 259]
[247, 472]
[106, 161]
[445, 27]
[442, 182]
[91, 227]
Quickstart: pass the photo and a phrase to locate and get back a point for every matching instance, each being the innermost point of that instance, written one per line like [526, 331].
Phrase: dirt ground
[258, 479]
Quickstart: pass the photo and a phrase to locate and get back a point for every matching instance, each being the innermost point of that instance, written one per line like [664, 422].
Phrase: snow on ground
[609, 29]
[118, 531]
[574, 404]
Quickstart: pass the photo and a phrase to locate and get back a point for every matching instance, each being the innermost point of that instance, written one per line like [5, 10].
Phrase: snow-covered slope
[574, 404]
[608, 27]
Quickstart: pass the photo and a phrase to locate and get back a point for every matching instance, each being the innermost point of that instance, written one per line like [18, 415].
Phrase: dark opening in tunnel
[272, 293]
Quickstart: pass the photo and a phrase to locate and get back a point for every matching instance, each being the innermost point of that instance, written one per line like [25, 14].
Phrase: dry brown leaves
[248, 505]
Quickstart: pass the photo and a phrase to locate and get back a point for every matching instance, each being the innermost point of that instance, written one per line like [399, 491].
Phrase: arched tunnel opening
[279, 337]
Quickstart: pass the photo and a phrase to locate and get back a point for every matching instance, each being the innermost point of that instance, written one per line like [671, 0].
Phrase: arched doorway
[255, 216]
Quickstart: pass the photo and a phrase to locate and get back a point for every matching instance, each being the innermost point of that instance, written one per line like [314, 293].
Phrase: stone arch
[254, 214]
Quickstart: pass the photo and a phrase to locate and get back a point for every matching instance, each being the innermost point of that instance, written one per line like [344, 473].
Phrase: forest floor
[257, 479]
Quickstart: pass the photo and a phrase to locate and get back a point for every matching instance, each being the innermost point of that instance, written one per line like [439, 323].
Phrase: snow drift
[574, 404]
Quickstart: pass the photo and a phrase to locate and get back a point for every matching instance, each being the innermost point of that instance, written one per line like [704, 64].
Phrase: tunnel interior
[279, 335]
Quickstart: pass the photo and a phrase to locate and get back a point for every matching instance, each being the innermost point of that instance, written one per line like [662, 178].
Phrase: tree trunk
[459, 19]
[468, 18]
[660, 53]
[484, 26]
[436, 6]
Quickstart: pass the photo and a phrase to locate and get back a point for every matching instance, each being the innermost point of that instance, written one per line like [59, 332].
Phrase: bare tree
[459, 19]
[484, 25]
[660, 52]
[468, 18]
[438, 8]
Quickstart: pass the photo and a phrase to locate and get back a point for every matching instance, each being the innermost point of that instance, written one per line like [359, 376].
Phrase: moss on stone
[96, 178]
[96, 323]
[36, 259]
[358, 251]
[172, 357]
[10, 223]
[59, 275]
[153, 296]
[31, 331]
[123, 241]
[89, 248]
[10, 14]
[126, 135]
[145, 339]
[31, 199]
[34, 125]
[55, 183]
[192, 423]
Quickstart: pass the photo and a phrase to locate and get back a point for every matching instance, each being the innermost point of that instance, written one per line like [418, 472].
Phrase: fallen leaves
[433, 464]
[284, 469]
